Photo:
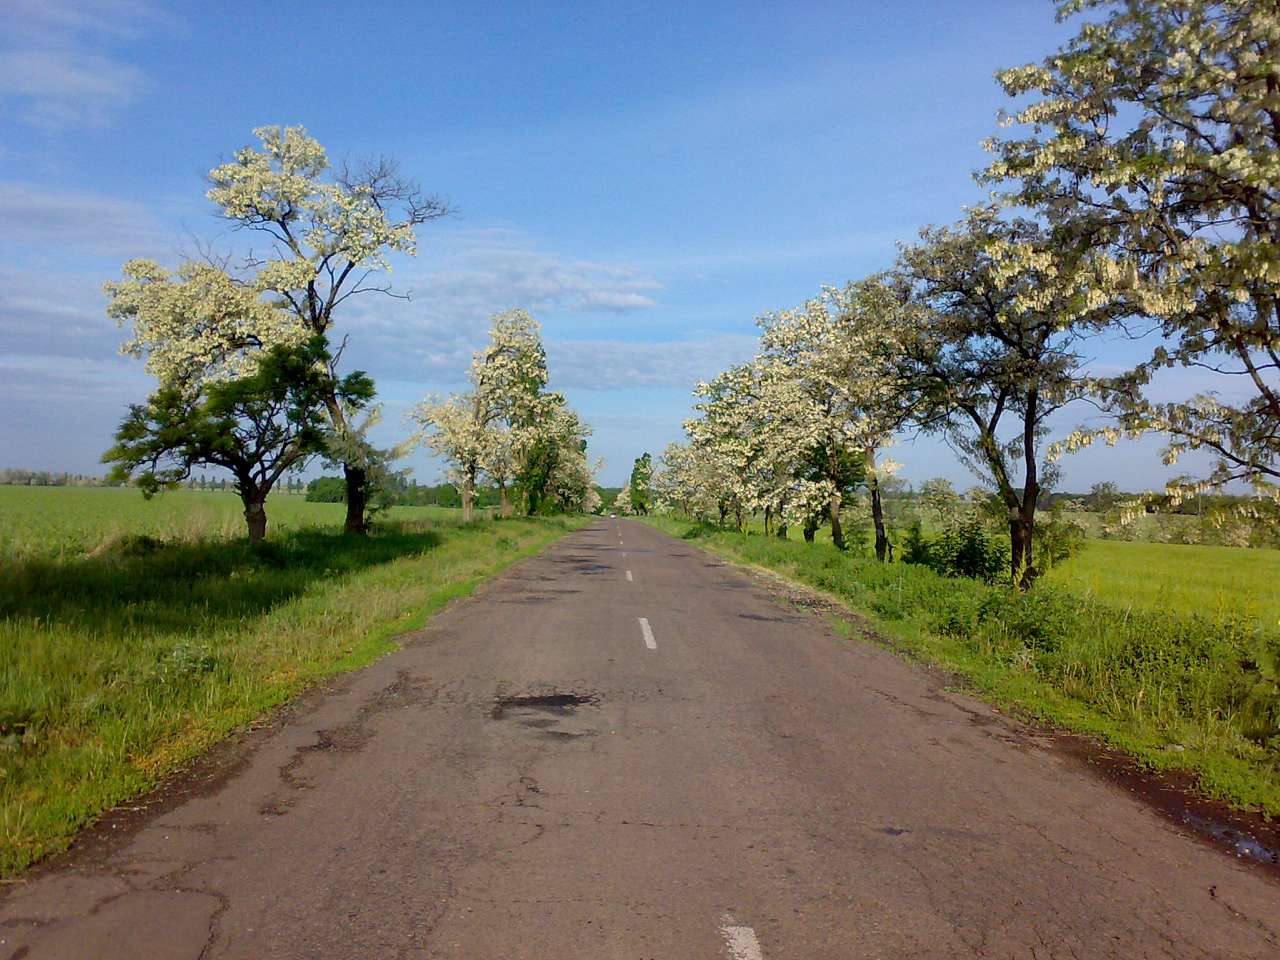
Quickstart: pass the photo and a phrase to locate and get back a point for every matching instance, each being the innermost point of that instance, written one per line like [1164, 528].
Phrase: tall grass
[130, 640]
[1176, 688]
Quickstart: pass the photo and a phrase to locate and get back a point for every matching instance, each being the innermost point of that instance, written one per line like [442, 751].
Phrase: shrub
[963, 549]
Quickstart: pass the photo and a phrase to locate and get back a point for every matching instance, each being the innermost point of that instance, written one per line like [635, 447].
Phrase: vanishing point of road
[625, 748]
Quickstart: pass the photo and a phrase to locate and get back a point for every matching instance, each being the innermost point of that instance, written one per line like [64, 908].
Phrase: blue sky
[645, 181]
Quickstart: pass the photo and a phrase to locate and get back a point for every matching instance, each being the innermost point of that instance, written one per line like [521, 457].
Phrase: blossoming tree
[1156, 131]
[993, 350]
[329, 231]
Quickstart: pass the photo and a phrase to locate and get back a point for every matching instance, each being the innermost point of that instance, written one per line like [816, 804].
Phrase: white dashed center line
[742, 942]
[649, 642]
[629, 580]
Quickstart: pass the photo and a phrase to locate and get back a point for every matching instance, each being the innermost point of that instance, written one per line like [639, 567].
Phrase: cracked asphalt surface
[453, 800]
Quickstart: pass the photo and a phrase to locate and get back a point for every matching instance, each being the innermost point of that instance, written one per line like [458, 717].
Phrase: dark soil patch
[561, 704]
[1176, 796]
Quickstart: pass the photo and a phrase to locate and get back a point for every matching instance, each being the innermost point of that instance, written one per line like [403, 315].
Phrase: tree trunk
[1023, 521]
[781, 531]
[255, 514]
[877, 507]
[768, 520]
[504, 502]
[837, 532]
[1021, 534]
[468, 497]
[877, 518]
[810, 529]
[357, 499]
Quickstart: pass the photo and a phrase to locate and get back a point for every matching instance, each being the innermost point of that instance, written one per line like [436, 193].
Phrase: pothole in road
[560, 704]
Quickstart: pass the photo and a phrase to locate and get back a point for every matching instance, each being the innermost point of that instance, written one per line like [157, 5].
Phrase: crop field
[1215, 582]
[69, 521]
[134, 634]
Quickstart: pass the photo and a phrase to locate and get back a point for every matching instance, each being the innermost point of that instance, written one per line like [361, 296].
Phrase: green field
[1169, 652]
[69, 521]
[134, 634]
[1217, 582]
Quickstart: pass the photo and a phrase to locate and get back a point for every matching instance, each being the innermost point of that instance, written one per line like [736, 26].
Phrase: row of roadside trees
[247, 357]
[1138, 196]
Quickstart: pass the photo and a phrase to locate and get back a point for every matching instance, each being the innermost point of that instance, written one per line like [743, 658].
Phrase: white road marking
[742, 942]
[649, 642]
[629, 580]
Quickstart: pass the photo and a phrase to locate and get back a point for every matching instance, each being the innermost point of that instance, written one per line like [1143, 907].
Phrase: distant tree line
[16, 476]
[403, 492]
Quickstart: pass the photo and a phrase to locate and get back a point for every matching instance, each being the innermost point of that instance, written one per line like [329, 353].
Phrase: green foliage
[400, 492]
[327, 490]
[963, 549]
[1058, 538]
[608, 496]
[257, 426]
[641, 484]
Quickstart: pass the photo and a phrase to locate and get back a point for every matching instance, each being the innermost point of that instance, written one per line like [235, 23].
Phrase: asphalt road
[733, 781]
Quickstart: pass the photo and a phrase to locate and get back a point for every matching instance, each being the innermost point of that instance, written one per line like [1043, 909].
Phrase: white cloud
[57, 70]
[474, 274]
[62, 220]
[484, 271]
[617, 364]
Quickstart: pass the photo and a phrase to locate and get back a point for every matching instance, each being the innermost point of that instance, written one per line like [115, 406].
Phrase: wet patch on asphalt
[561, 704]
[548, 716]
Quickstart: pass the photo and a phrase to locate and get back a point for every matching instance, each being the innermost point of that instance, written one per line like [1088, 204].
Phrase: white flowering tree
[837, 348]
[622, 503]
[686, 480]
[571, 478]
[329, 232]
[1156, 131]
[196, 325]
[992, 352]
[455, 430]
[498, 460]
[233, 383]
[509, 427]
[731, 436]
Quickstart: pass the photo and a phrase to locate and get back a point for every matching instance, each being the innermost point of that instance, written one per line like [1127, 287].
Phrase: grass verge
[1174, 690]
[122, 663]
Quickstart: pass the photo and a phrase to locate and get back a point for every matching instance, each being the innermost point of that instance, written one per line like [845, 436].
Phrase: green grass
[1212, 581]
[68, 521]
[1190, 683]
[135, 634]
